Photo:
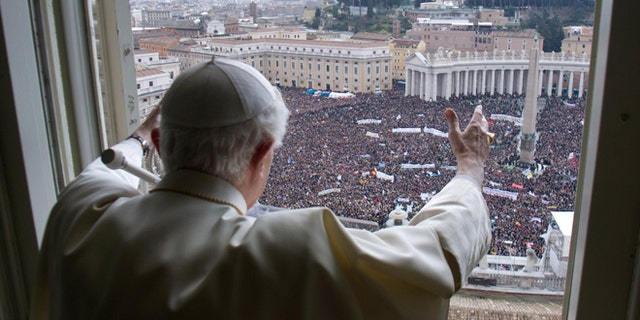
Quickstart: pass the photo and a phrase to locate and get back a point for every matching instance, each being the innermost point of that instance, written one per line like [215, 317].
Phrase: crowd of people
[363, 157]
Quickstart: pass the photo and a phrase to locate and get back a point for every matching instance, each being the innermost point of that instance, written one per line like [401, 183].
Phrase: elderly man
[186, 250]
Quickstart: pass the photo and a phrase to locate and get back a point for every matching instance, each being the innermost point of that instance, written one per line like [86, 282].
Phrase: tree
[509, 12]
[548, 27]
[369, 9]
[553, 35]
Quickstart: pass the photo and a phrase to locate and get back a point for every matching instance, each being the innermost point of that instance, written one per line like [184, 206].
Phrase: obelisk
[529, 116]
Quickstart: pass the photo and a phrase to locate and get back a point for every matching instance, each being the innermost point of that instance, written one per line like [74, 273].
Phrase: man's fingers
[452, 120]
[454, 128]
[477, 115]
[479, 118]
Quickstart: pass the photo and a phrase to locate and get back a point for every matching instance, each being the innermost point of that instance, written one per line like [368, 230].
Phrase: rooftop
[320, 43]
[372, 36]
[148, 72]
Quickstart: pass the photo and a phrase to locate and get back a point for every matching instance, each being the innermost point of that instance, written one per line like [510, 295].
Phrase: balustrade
[501, 71]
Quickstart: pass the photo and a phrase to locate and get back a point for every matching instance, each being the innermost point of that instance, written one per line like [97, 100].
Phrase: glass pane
[376, 153]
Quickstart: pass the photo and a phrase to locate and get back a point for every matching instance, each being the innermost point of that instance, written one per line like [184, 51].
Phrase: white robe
[111, 253]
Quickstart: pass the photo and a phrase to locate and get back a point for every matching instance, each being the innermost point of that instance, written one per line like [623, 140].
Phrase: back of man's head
[214, 116]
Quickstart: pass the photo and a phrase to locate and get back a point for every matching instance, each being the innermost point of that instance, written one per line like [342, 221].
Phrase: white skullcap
[398, 214]
[218, 93]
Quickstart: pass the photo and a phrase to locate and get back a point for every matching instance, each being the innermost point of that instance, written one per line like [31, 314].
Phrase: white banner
[417, 166]
[384, 176]
[500, 193]
[517, 121]
[327, 191]
[341, 95]
[372, 134]
[407, 130]
[368, 121]
[435, 132]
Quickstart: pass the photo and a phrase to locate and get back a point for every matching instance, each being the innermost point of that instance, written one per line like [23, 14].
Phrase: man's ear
[258, 161]
[155, 138]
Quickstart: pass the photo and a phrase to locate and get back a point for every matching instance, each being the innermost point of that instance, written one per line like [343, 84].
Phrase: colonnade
[447, 77]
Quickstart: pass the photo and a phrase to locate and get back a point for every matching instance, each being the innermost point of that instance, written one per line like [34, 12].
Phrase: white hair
[226, 151]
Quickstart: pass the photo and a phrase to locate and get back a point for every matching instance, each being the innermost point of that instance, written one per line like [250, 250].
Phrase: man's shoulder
[299, 216]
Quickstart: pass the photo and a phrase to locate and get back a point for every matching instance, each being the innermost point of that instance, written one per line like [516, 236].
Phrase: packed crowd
[366, 169]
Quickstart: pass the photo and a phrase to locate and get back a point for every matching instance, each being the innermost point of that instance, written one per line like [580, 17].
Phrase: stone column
[447, 82]
[415, 86]
[427, 87]
[581, 84]
[434, 92]
[528, 135]
[540, 76]
[474, 86]
[520, 80]
[483, 82]
[549, 82]
[501, 82]
[570, 89]
[560, 83]
[493, 82]
[456, 83]
[407, 84]
[422, 88]
[510, 82]
[466, 82]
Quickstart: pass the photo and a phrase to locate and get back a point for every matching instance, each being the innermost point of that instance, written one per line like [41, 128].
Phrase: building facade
[150, 59]
[577, 39]
[450, 36]
[154, 75]
[158, 44]
[231, 25]
[215, 27]
[515, 40]
[495, 16]
[320, 65]
[464, 36]
[400, 51]
[152, 84]
[294, 33]
[187, 28]
[442, 75]
[155, 18]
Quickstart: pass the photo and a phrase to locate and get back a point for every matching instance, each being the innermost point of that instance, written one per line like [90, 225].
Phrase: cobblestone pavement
[481, 305]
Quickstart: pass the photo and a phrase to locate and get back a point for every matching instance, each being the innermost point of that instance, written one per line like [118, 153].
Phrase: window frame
[23, 150]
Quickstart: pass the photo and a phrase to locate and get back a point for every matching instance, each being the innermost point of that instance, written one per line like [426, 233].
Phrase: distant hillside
[570, 12]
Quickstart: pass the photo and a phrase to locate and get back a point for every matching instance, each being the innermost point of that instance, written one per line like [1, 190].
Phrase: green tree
[529, 3]
[509, 12]
[370, 9]
[548, 27]
[553, 35]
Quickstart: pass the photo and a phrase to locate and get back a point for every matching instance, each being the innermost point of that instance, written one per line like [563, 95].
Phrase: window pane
[545, 186]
